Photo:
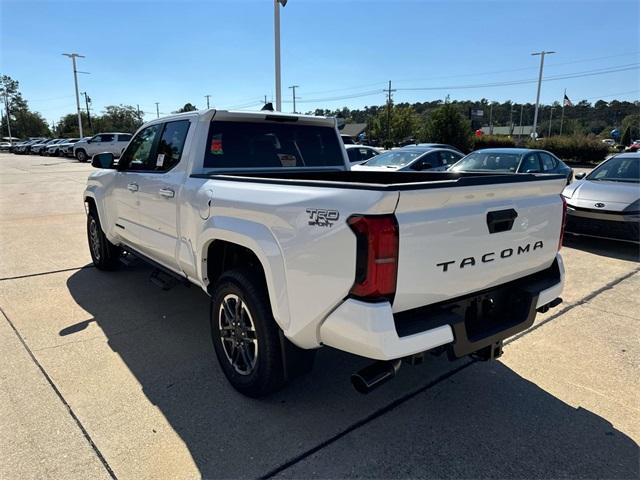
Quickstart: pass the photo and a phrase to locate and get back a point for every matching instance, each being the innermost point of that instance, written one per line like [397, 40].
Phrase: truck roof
[259, 115]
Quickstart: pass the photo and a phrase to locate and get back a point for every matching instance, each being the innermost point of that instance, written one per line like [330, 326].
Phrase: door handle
[132, 187]
[167, 193]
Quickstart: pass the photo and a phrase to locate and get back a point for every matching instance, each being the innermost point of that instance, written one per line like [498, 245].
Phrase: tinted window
[483, 161]
[393, 158]
[104, 137]
[171, 144]
[124, 138]
[431, 160]
[530, 163]
[367, 153]
[353, 154]
[548, 162]
[449, 158]
[137, 156]
[271, 145]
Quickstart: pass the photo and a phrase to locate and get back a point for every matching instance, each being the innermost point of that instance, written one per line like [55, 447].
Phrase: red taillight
[376, 257]
[564, 221]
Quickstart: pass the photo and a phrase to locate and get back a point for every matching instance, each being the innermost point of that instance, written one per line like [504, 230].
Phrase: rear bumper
[466, 324]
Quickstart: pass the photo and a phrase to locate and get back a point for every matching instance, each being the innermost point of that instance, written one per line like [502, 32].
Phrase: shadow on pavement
[605, 248]
[476, 426]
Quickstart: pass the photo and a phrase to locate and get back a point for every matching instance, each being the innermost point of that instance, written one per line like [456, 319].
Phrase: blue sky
[173, 52]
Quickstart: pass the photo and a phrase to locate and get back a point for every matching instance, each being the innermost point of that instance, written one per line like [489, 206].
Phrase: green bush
[574, 148]
[492, 141]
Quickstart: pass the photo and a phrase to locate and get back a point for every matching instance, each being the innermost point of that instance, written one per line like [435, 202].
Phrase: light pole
[535, 114]
[207, 97]
[521, 109]
[276, 30]
[293, 87]
[157, 109]
[550, 120]
[73, 57]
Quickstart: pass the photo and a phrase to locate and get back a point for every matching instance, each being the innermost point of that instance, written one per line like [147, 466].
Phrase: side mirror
[580, 176]
[103, 160]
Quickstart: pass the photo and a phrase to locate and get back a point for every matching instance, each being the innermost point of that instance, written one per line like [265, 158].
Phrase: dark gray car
[513, 160]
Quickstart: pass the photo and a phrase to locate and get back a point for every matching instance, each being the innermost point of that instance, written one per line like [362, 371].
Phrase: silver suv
[114, 143]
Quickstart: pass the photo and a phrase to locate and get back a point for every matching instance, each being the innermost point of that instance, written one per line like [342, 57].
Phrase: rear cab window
[271, 145]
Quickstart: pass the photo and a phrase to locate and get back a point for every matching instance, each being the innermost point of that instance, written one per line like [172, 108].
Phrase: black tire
[81, 155]
[105, 255]
[269, 372]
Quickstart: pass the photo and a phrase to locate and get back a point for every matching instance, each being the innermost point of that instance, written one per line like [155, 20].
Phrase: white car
[260, 211]
[412, 158]
[358, 154]
[114, 143]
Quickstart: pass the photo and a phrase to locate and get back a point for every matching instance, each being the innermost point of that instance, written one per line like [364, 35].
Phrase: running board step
[163, 280]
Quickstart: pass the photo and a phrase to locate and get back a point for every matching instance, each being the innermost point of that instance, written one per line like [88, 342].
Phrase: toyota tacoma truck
[261, 212]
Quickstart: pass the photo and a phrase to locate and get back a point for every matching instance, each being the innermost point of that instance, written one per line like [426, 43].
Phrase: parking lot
[106, 375]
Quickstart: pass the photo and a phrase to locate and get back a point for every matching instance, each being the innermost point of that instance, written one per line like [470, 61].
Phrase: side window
[449, 158]
[365, 153]
[428, 161]
[530, 163]
[96, 139]
[171, 145]
[124, 138]
[106, 137]
[548, 162]
[137, 156]
[353, 154]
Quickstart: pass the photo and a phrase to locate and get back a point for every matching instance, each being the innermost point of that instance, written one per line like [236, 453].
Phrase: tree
[626, 136]
[23, 122]
[188, 107]
[118, 118]
[447, 125]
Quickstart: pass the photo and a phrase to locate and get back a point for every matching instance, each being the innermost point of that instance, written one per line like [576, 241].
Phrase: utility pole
[535, 114]
[73, 57]
[138, 110]
[491, 119]
[207, 97]
[157, 110]
[293, 87]
[87, 101]
[521, 109]
[6, 106]
[276, 35]
[389, 91]
[510, 118]
[265, 99]
[562, 114]
[550, 119]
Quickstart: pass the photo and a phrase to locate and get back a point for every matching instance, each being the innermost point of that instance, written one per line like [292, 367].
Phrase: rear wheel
[253, 353]
[105, 255]
[81, 155]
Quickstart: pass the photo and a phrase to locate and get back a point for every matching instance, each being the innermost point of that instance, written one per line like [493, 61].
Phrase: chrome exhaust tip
[374, 375]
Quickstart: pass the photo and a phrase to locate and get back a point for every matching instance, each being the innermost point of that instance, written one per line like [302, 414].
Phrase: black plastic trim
[384, 181]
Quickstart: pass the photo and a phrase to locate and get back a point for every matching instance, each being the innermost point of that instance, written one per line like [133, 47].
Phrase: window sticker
[160, 160]
[287, 160]
[216, 144]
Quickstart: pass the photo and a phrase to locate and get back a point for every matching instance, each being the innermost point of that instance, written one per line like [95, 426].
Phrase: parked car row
[81, 148]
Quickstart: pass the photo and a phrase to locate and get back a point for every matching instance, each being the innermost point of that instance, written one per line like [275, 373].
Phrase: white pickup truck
[296, 251]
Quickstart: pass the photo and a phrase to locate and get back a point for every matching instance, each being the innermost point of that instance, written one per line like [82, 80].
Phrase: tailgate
[456, 240]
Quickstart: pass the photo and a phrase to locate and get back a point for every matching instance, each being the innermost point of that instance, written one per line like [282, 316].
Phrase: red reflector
[564, 221]
[376, 256]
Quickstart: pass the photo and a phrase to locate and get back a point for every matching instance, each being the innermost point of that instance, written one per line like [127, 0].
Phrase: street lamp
[534, 133]
[276, 29]
[73, 57]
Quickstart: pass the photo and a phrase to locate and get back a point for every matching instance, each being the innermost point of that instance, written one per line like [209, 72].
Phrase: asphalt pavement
[107, 376]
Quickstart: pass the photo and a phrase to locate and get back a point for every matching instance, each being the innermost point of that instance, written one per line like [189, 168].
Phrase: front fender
[259, 239]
